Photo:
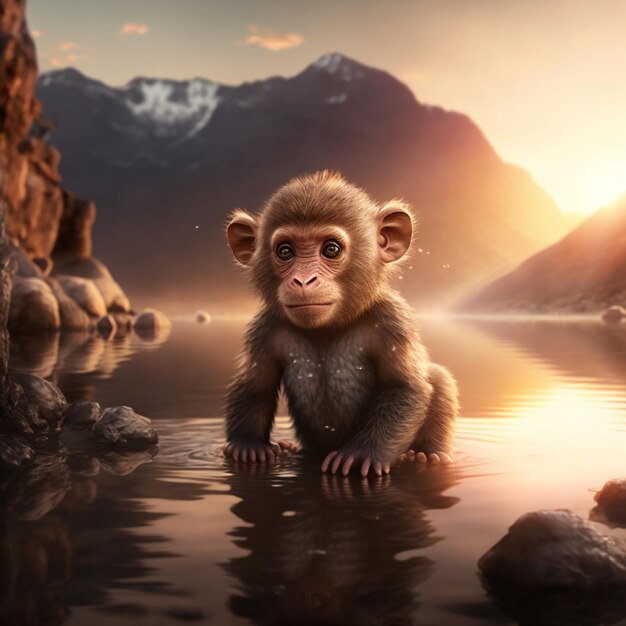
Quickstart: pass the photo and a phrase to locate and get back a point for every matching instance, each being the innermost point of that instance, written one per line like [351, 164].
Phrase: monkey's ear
[395, 230]
[241, 233]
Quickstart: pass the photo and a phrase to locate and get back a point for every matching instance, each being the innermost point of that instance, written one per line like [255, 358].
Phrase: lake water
[184, 536]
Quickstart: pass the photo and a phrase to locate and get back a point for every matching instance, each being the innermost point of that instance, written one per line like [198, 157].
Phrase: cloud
[67, 45]
[270, 40]
[36, 34]
[134, 29]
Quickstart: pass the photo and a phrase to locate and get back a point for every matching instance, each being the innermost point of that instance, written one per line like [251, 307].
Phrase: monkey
[334, 334]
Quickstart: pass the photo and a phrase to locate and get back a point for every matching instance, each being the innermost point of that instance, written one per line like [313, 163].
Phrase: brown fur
[358, 381]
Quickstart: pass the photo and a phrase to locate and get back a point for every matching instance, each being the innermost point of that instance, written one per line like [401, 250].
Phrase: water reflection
[331, 550]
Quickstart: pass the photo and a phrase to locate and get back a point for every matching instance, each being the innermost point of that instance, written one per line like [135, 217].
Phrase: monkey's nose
[304, 281]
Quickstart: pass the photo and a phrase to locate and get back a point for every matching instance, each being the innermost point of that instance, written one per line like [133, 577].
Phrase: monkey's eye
[285, 251]
[331, 250]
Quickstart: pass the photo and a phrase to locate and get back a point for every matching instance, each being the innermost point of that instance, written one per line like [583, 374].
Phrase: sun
[600, 184]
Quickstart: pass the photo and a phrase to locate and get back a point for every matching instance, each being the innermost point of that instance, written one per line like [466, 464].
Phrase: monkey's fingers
[348, 464]
[328, 459]
[446, 459]
[365, 466]
[421, 458]
[378, 468]
[337, 462]
[386, 468]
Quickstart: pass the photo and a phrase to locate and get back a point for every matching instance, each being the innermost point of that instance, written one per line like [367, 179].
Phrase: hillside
[584, 272]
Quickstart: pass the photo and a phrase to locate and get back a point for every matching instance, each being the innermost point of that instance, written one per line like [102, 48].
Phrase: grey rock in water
[14, 452]
[555, 549]
[151, 319]
[82, 414]
[41, 404]
[121, 425]
[614, 314]
[611, 501]
[554, 568]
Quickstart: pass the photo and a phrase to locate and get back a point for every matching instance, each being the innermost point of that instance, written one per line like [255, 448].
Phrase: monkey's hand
[435, 458]
[346, 457]
[253, 451]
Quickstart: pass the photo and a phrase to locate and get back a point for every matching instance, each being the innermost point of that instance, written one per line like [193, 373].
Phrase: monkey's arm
[252, 397]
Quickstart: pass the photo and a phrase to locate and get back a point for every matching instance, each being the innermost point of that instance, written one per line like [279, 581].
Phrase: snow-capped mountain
[166, 160]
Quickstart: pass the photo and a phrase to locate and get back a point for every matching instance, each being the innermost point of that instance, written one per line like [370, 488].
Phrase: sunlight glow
[602, 183]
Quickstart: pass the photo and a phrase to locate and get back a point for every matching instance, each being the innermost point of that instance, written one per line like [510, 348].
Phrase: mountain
[584, 272]
[167, 160]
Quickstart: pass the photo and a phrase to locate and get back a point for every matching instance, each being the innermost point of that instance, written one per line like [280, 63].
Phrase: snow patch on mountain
[170, 105]
[337, 64]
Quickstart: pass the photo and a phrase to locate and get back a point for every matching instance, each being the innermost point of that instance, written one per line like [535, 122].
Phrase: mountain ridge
[161, 179]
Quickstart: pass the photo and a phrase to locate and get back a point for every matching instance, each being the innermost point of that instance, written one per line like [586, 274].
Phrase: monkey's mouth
[309, 305]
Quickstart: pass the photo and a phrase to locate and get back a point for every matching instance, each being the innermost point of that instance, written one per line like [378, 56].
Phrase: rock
[73, 316]
[114, 298]
[202, 317]
[81, 414]
[121, 425]
[614, 314]
[554, 568]
[84, 292]
[611, 501]
[151, 324]
[24, 266]
[41, 404]
[14, 452]
[555, 549]
[33, 307]
[107, 326]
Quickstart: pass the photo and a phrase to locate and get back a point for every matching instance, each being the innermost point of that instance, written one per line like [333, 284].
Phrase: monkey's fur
[360, 387]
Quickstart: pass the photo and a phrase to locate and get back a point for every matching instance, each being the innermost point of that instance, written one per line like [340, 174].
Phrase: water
[185, 536]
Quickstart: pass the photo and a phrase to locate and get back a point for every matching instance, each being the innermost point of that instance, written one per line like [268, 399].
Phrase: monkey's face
[320, 248]
[309, 263]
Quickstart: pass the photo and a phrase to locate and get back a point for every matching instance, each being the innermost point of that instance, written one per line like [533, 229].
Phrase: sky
[545, 80]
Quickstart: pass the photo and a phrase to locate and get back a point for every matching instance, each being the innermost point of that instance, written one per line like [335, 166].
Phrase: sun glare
[599, 185]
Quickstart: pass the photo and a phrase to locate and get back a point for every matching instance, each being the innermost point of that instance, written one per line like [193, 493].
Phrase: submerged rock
[121, 425]
[14, 452]
[611, 501]
[553, 567]
[126, 462]
[82, 415]
[614, 314]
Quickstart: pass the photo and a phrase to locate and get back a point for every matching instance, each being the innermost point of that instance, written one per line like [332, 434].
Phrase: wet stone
[121, 425]
[553, 567]
[611, 501]
[82, 415]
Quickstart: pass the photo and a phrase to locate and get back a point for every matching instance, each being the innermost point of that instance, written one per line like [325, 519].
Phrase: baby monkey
[342, 343]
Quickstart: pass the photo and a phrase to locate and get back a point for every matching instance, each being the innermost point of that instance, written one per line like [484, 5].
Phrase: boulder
[33, 307]
[114, 298]
[73, 316]
[151, 324]
[80, 415]
[107, 326]
[24, 266]
[611, 501]
[121, 425]
[614, 314]
[84, 292]
[41, 404]
[554, 568]
[555, 550]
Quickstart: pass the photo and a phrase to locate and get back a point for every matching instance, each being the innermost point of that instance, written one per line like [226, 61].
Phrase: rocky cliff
[57, 283]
